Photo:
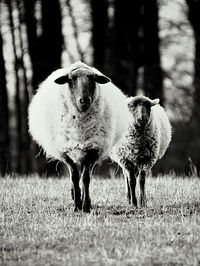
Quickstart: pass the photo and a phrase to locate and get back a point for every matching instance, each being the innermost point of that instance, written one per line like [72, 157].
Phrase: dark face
[141, 112]
[82, 85]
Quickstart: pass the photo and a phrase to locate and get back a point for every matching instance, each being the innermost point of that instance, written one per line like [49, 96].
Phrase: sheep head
[82, 84]
[140, 108]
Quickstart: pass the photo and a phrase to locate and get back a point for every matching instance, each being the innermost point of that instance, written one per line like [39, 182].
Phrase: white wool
[152, 143]
[163, 126]
[59, 128]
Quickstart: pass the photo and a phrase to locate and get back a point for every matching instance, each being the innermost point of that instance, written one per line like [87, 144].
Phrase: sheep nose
[85, 100]
[140, 121]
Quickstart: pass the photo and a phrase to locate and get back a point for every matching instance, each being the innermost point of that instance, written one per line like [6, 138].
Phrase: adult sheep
[146, 140]
[76, 116]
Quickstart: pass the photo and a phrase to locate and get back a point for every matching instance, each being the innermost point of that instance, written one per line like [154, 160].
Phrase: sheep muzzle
[84, 103]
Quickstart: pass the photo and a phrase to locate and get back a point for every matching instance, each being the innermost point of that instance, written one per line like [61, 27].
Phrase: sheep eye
[131, 106]
[70, 82]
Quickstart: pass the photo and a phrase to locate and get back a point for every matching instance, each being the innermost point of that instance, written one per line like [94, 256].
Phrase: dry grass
[38, 225]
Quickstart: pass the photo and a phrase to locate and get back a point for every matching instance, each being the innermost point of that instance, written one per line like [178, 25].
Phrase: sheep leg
[128, 190]
[131, 182]
[86, 202]
[142, 198]
[87, 164]
[74, 176]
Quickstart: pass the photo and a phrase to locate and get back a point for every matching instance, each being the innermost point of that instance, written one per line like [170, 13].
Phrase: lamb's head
[81, 82]
[140, 108]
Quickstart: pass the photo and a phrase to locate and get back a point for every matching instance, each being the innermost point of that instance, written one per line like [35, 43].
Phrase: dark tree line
[129, 43]
[126, 47]
[194, 132]
[44, 49]
[193, 14]
[4, 139]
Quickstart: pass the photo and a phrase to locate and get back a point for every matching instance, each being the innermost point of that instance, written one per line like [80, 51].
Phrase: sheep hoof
[76, 209]
[134, 206]
[86, 206]
[129, 200]
[143, 203]
[134, 203]
[78, 206]
[86, 209]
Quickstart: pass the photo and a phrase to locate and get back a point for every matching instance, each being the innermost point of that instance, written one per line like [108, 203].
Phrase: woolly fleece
[60, 128]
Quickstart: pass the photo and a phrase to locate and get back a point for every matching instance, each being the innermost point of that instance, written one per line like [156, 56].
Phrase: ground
[38, 225]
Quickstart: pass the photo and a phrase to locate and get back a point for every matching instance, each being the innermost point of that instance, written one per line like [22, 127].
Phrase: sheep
[76, 116]
[146, 140]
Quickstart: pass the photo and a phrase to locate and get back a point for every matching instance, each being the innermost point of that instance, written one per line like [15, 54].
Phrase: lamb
[76, 116]
[146, 140]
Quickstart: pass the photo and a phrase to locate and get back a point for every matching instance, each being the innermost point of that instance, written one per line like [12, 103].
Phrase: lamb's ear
[101, 79]
[130, 101]
[155, 101]
[62, 80]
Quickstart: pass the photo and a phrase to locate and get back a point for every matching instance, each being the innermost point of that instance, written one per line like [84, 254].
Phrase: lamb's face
[82, 85]
[140, 108]
[141, 112]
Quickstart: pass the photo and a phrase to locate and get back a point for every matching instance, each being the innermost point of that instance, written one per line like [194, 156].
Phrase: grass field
[38, 225]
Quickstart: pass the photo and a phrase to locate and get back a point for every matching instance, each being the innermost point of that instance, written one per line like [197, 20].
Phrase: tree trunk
[24, 98]
[123, 51]
[4, 139]
[46, 47]
[75, 29]
[17, 156]
[194, 144]
[152, 84]
[193, 14]
[99, 14]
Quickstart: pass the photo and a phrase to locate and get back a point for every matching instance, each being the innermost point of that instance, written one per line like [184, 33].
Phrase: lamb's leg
[74, 176]
[87, 164]
[131, 181]
[128, 191]
[142, 188]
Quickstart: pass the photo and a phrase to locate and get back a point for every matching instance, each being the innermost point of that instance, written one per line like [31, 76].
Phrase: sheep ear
[129, 101]
[62, 80]
[101, 79]
[155, 101]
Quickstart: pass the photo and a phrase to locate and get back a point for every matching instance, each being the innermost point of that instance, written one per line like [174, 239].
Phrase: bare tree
[124, 45]
[24, 96]
[99, 14]
[4, 138]
[45, 47]
[152, 84]
[193, 14]
[194, 144]
[17, 62]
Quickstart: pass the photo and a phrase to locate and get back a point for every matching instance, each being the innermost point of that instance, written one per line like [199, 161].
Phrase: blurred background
[149, 47]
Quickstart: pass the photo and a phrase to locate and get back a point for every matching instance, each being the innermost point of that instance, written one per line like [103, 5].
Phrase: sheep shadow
[183, 209]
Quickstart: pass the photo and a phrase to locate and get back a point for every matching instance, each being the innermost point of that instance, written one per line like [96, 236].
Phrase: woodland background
[146, 46]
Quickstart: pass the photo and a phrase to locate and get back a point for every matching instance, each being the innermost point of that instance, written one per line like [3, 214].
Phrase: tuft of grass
[38, 225]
